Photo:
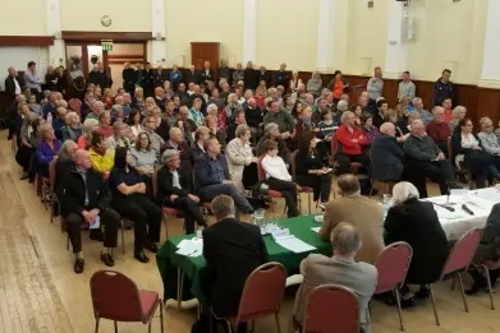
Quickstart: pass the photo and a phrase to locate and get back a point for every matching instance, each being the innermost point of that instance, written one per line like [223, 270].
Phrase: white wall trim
[491, 66]
[396, 57]
[326, 35]
[249, 30]
[53, 19]
[158, 29]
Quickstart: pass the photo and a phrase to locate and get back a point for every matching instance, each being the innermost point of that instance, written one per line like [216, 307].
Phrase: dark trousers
[145, 214]
[191, 212]
[345, 160]
[440, 172]
[443, 145]
[209, 192]
[480, 280]
[321, 185]
[109, 219]
[289, 192]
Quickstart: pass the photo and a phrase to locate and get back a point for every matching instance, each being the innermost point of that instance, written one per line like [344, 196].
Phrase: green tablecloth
[168, 261]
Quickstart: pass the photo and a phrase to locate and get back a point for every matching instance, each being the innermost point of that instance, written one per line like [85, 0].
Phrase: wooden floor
[40, 293]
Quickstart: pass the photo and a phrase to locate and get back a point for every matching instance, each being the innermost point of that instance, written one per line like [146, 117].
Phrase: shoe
[475, 289]
[107, 259]
[141, 256]
[79, 266]
[408, 303]
[97, 235]
[152, 247]
[423, 293]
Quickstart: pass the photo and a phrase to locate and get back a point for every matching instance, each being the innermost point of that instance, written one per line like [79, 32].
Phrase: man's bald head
[348, 184]
[388, 128]
[82, 159]
[176, 135]
[345, 239]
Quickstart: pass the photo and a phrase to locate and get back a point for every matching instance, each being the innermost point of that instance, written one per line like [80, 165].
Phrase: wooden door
[201, 52]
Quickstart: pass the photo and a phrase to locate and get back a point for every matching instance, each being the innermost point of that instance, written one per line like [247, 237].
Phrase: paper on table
[294, 244]
[316, 229]
[190, 248]
[491, 194]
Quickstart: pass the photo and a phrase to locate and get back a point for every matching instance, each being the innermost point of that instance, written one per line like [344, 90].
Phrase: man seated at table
[363, 213]
[232, 249]
[341, 269]
[212, 177]
[424, 156]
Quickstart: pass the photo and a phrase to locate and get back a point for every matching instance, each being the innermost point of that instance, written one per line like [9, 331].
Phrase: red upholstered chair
[262, 176]
[392, 265]
[488, 265]
[331, 309]
[458, 261]
[76, 105]
[304, 189]
[116, 297]
[262, 295]
[167, 211]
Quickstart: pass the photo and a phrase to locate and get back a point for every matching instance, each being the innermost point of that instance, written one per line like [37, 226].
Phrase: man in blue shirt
[212, 177]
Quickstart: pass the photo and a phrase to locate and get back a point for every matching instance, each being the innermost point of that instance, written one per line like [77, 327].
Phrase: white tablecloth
[457, 223]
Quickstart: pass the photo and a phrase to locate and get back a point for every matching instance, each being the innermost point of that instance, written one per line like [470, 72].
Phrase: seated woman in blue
[130, 200]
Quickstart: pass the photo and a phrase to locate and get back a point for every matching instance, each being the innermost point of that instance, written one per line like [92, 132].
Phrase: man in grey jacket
[375, 88]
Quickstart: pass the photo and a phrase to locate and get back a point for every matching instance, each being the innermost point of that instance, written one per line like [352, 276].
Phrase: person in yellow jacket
[101, 157]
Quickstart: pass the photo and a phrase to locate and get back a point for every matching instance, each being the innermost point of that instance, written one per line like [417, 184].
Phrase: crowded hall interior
[326, 166]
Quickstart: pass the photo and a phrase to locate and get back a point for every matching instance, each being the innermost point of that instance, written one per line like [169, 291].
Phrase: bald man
[85, 201]
[386, 155]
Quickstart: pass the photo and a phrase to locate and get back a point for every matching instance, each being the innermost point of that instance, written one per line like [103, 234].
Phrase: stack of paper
[190, 247]
[294, 244]
[316, 229]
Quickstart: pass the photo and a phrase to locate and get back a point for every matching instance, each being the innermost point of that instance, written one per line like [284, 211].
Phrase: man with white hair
[51, 79]
[387, 157]
[282, 77]
[425, 157]
[97, 109]
[341, 269]
[418, 106]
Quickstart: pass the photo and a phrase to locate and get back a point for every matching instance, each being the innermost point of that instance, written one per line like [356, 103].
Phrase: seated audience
[101, 157]
[351, 141]
[143, 156]
[134, 122]
[238, 119]
[458, 114]
[211, 123]
[175, 189]
[341, 269]
[488, 250]
[417, 223]
[489, 140]
[212, 177]
[387, 157]
[379, 117]
[315, 84]
[310, 168]
[177, 142]
[240, 157]
[195, 113]
[130, 200]
[187, 126]
[86, 200]
[64, 164]
[447, 110]
[370, 130]
[399, 123]
[363, 213]
[29, 142]
[424, 156]
[89, 127]
[467, 148]
[157, 142]
[106, 128]
[327, 126]
[283, 119]
[272, 132]
[200, 136]
[121, 137]
[233, 250]
[73, 129]
[170, 114]
[47, 149]
[162, 126]
[418, 106]
[57, 119]
[439, 130]
[278, 177]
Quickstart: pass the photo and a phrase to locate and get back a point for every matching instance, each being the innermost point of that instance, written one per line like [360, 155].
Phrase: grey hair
[404, 191]
[117, 107]
[346, 115]
[416, 100]
[212, 106]
[241, 130]
[342, 106]
[345, 238]
[223, 206]
[230, 97]
[270, 127]
[71, 115]
[459, 109]
[168, 155]
[90, 124]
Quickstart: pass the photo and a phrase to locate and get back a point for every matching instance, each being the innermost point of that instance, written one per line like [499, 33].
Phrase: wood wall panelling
[95, 36]
[488, 104]
[26, 40]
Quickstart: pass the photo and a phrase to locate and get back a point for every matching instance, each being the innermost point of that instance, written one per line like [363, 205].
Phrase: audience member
[32, 80]
[238, 119]
[406, 88]
[30, 139]
[240, 157]
[63, 165]
[438, 130]
[417, 223]
[341, 269]
[283, 119]
[73, 129]
[375, 86]
[232, 250]
[379, 117]
[212, 177]
[418, 106]
[488, 138]
[47, 149]
[371, 131]
[363, 213]
[295, 82]
[443, 89]
[143, 157]
[338, 85]
[86, 200]
[272, 132]
[448, 111]
[97, 109]
[177, 142]
[387, 157]
[101, 157]
[426, 157]
[195, 113]
[351, 141]
[106, 129]
[157, 142]
[89, 127]
[458, 114]
[134, 122]
[315, 84]
[130, 200]
[281, 76]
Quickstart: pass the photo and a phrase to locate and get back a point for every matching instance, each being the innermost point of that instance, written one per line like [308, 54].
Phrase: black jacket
[282, 78]
[193, 77]
[266, 76]
[160, 78]
[206, 77]
[10, 87]
[98, 78]
[232, 250]
[166, 188]
[74, 187]
[475, 160]
[387, 158]
[254, 117]
[251, 78]
[489, 247]
[52, 81]
[417, 223]
[129, 76]
[62, 168]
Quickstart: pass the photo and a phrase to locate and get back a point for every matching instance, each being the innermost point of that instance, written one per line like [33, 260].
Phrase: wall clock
[106, 21]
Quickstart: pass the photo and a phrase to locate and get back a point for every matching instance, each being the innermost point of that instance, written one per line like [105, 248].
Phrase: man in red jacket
[439, 130]
[351, 141]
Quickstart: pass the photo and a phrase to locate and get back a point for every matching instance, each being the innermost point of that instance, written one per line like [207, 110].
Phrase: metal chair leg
[277, 318]
[161, 316]
[97, 325]
[490, 292]
[165, 219]
[453, 283]
[149, 326]
[123, 237]
[462, 291]
[434, 305]
[116, 327]
[400, 313]
[180, 277]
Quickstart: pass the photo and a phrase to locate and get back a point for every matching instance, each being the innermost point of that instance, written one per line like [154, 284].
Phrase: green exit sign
[107, 47]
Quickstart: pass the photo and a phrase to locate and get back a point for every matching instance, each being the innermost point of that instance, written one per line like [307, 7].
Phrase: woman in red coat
[351, 141]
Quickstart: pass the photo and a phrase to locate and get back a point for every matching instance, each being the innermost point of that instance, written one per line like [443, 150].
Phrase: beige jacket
[366, 214]
[238, 156]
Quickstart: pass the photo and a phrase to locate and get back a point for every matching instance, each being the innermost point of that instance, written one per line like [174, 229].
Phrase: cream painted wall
[126, 15]
[447, 35]
[287, 32]
[203, 21]
[23, 17]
